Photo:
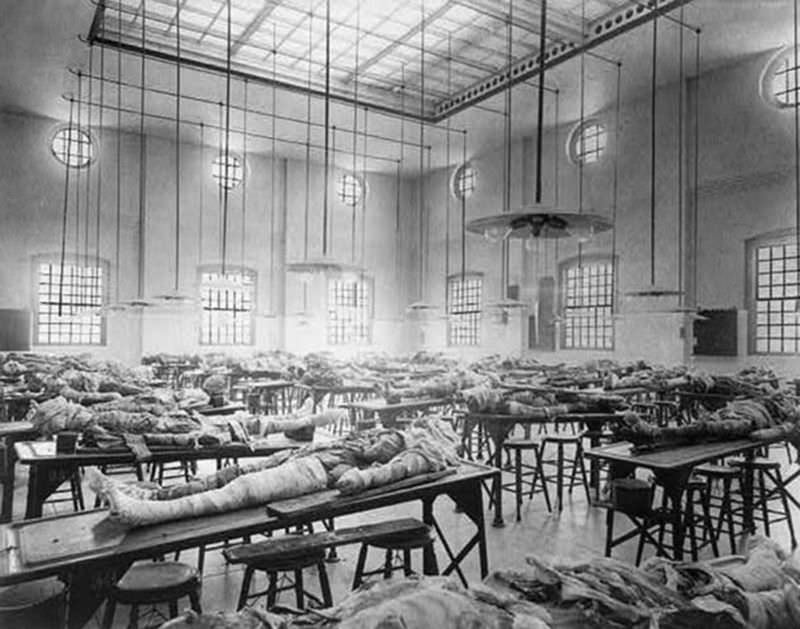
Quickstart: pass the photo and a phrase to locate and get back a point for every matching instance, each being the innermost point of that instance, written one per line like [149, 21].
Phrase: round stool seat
[521, 444]
[758, 463]
[563, 438]
[404, 541]
[717, 471]
[155, 582]
[288, 563]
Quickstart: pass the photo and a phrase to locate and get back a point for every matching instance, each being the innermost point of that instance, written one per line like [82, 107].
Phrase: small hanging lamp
[324, 264]
[139, 302]
[538, 221]
[421, 309]
[174, 297]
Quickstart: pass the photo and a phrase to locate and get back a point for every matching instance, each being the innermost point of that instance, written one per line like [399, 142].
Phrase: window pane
[67, 304]
[588, 297]
[227, 307]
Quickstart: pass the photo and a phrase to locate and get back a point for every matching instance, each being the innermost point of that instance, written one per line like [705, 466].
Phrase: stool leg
[324, 584]
[272, 590]
[786, 510]
[705, 497]
[539, 473]
[727, 508]
[407, 571]
[582, 464]
[362, 560]
[642, 534]
[609, 531]
[689, 523]
[298, 589]
[762, 493]
[133, 619]
[245, 591]
[387, 565]
[108, 613]
[518, 481]
[173, 608]
[560, 476]
[194, 601]
[201, 559]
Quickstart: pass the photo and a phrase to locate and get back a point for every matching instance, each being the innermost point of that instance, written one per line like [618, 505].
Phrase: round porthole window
[587, 143]
[227, 171]
[349, 189]
[73, 146]
[464, 180]
[780, 77]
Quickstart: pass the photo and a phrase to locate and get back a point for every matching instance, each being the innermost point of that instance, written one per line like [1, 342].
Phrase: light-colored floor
[577, 533]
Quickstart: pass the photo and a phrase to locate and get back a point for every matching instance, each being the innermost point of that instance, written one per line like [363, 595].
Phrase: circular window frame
[236, 157]
[362, 187]
[766, 78]
[93, 151]
[574, 136]
[457, 172]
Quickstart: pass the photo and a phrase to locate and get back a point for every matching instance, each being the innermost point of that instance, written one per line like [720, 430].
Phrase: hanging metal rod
[194, 123]
[600, 31]
[235, 107]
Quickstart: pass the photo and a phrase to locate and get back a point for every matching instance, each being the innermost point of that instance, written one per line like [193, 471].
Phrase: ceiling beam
[411, 32]
[266, 10]
[603, 29]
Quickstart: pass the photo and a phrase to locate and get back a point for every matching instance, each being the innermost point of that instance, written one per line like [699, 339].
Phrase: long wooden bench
[288, 545]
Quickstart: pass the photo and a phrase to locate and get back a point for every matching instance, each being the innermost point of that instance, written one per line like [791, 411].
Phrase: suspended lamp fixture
[139, 302]
[420, 309]
[504, 304]
[654, 293]
[175, 297]
[324, 264]
[304, 276]
[538, 221]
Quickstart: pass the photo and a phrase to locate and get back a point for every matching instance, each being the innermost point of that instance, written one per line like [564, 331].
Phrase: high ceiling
[406, 57]
[45, 45]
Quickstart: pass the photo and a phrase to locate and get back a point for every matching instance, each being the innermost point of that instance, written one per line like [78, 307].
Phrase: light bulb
[530, 244]
[492, 234]
[584, 233]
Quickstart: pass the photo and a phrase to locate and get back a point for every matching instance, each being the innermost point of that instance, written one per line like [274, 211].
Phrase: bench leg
[248, 577]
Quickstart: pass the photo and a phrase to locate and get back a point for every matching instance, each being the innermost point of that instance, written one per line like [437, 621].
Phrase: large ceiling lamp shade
[538, 221]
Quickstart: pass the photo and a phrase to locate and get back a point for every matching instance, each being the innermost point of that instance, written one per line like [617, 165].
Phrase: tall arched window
[587, 302]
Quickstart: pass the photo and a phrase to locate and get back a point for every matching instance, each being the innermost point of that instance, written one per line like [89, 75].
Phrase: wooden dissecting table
[389, 412]
[673, 467]
[49, 469]
[98, 551]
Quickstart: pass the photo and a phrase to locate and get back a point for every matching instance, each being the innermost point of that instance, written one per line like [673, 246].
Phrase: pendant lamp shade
[537, 220]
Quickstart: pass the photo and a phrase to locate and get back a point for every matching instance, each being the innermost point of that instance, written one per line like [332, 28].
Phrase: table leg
[748, 524]
[497, 431]
[10, 459]
[43, 480]
[469, 498]
[87, 588]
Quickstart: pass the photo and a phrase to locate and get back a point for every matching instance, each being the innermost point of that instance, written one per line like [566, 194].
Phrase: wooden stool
[152, 583]
[404, 543]
[767, 470]
[169, 471]
[290, 563]
[724, 474]
[562, 466]
[695, 495]
[535, 472]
